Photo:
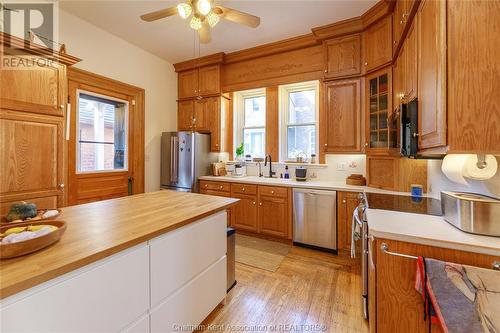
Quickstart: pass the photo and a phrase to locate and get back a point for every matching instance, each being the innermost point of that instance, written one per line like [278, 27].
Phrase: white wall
[439, 182]
[105, 54]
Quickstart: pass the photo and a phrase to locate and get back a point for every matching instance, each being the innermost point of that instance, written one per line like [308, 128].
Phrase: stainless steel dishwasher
[315, 219]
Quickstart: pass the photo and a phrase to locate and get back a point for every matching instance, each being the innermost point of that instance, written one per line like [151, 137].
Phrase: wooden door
[411, 58]
[372, 285]
[272, 215]
[398, 72]
[32, 160]
[187, 84]
[397, 23]
[431, 76]
[185, 115]
[245, 212]
[378, 45]
[214, 123]
[105, 147]
[202, 111]
[343, 56]
[473, 76]
[39, 90]
[343, 116]
[209, 80]
[346, 203]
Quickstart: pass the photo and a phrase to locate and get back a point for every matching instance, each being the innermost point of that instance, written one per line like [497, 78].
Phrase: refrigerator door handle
[174, 159]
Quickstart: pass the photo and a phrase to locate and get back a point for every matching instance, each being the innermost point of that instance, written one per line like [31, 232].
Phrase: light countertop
[314, 184]
[427, 230]
[100, 229]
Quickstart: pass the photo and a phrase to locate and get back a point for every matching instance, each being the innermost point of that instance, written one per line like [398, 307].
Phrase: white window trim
[239, 114]
[284, 90]
[77, 118]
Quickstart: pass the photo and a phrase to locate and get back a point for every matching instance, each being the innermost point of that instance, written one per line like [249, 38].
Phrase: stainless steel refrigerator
[185, 156]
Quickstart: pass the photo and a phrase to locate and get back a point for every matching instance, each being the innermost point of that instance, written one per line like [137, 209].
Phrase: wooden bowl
[355, 179]
[31, 245]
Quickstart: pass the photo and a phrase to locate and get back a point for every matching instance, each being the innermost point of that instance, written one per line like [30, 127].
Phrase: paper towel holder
[481, 161]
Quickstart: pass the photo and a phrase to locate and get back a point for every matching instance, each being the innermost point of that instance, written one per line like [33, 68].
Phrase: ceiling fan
[204, 16]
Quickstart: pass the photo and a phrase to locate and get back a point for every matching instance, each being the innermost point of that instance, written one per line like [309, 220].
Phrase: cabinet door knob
[61, 187]
[326, 70]
[61, 106]
[272, 192]
[260, 203]
[221, 187]
[253, 203]
[366, 63]
[206, 185]
[243, 189]
[326, 144]
[216, 145]
[344, 201]
[366, 144]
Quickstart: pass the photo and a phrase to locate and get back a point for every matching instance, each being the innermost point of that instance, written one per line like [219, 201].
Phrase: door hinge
[69, 99]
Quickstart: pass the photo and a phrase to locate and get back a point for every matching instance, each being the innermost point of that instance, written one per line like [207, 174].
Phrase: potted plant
[239, 152]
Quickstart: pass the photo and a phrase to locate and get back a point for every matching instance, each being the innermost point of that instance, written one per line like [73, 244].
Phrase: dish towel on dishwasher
[355, 231]
[460, 298]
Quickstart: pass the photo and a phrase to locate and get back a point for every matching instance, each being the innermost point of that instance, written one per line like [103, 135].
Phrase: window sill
[293, 164]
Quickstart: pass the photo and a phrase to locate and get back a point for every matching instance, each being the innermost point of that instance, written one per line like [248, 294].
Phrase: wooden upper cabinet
[411, 59]
[378, 44]
[31, 152]
[209, 80]
[202, 112]
[37, 90]
[187, 82]
[398, 89]
[185, 114]
[204, 81]
[431, 76]
[343, 56]
[473, 76]
[343, 116]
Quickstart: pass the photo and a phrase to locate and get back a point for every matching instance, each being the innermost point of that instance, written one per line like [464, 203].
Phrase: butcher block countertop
[100, 229]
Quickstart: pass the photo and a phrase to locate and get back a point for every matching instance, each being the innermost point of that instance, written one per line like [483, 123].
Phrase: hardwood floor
[309, 288]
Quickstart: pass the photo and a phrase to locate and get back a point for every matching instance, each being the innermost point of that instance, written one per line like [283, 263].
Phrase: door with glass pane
[98, 150]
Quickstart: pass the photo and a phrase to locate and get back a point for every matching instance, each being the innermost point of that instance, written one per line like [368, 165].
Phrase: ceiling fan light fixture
[195, 22]
[203, 7]
[212, 18]
[184, 10]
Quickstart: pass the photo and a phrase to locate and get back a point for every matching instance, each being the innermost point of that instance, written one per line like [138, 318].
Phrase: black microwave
[409, 128]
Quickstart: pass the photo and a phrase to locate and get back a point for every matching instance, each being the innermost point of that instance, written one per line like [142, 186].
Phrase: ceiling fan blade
[239, 17]
[159, 14]
[204, 33]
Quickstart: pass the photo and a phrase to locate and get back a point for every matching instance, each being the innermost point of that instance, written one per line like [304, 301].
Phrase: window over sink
[250, 120]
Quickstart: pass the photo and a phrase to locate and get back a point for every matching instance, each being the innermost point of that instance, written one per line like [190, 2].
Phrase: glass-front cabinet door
[381, 131]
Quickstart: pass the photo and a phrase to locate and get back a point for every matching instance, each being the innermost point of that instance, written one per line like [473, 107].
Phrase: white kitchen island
[157, 265]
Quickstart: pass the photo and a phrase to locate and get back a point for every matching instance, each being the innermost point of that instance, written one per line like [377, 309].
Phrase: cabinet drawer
[107, 296]
[193, 302]
[180, 255]
[243, 188]
[215, 186]
[280, 192]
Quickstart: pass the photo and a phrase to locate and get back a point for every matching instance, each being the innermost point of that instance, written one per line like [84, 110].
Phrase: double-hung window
[250, 109]
[299, 105]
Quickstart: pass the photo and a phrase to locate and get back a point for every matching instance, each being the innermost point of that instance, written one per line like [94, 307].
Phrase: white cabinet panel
[193, 302]
[140, 326]
[180, 255]
[106, 298]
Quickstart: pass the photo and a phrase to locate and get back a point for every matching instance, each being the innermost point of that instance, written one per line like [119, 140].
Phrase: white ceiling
[173, 40]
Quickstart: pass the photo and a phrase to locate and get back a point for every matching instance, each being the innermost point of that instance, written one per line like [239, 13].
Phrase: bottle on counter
[287, 174]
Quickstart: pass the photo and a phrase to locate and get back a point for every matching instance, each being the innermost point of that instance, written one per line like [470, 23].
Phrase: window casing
[250, 121]
[299, 113]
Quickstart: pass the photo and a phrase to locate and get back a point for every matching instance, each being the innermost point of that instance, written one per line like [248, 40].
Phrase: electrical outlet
[340, 166]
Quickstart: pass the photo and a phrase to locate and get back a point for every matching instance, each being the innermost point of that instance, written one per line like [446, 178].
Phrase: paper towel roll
[453, 167]
[457, 167]
[473, 172]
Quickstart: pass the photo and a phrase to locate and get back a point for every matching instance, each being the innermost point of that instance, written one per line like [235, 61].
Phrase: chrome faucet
[271, 173]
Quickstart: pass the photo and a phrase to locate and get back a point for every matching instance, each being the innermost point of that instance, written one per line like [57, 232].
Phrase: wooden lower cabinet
[262, 209]
[245, 212]
[273, 215]
[399, 307]
[346, 203]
